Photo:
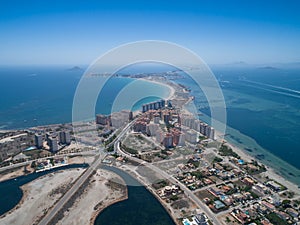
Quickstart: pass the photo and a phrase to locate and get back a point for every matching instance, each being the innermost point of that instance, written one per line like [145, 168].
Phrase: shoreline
[98, 211]
[135, 175]
[25, 191]
[38, 196]
[271, 172]
[172, 89]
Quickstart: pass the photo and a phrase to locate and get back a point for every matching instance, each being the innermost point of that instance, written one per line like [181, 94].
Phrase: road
[57, 207]
[101, 154]
[187, 191]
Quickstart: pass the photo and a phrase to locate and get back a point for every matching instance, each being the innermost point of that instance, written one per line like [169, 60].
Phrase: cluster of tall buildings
[171, 139]
[54, 140]
[13, 143]
[195, 124]
[179, 128]
[160, 104]
[149, 124]
[116, 119]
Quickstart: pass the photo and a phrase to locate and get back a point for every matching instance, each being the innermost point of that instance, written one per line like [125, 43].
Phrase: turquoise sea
[32, 96]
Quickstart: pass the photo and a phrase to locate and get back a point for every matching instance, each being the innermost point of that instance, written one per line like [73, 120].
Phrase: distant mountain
[239, 63]
[75, 68]
[268, 68]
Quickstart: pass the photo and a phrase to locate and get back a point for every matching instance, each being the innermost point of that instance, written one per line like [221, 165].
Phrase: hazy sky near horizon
[77, 32]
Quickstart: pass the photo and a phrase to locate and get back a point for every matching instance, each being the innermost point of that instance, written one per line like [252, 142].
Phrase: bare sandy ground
[39, 196]
[103, 190]
[81, 159]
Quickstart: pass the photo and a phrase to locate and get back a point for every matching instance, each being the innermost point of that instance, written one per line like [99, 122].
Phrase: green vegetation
[217, 159]
[174, 198]
[231, 191]
[195, 163]
[227, 219]
[227, 151]
[245, 188]
[286, 203]
[165, 152]
[290, 194]
[276, 219]
[197, 174]
[111, 139]
[52, 161]
[169, 126]
[129, 150]
[33, 164]
[255, 196]
[201, 138]
[110, 148]
[260, 168]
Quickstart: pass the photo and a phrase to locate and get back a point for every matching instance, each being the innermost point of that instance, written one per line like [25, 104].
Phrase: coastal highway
[51, 214]
[187, 191]
[58, 206]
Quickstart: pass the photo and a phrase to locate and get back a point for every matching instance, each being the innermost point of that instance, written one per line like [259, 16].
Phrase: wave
[275, 89]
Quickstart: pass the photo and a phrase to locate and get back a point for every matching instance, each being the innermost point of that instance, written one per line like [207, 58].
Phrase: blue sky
[77, 32]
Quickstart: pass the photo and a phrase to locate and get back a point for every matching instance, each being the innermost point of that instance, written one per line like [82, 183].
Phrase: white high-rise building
[191, 136]
[53, 144]
[38, 140]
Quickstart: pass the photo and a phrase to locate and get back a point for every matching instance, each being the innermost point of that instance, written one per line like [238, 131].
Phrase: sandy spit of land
[105, 188]
[40, 195]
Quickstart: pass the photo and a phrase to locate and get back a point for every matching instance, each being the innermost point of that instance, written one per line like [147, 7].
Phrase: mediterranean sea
[263, 107]
[263, 113]
[33, 96]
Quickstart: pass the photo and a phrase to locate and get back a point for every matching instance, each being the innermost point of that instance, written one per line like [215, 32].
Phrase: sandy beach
[160, 82]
